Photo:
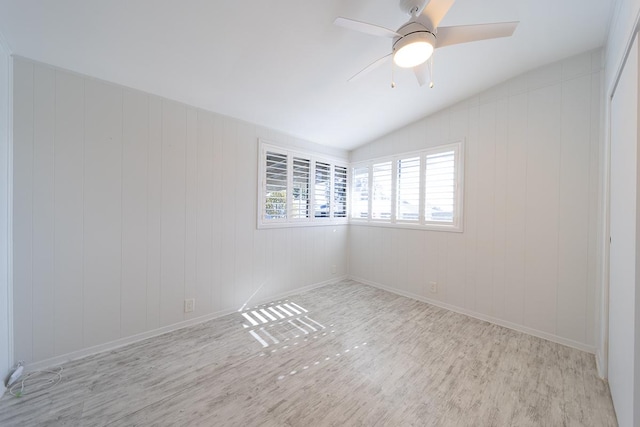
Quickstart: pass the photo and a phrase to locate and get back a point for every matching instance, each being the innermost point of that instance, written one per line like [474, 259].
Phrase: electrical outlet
[334, 269]
[189, 305]
[434, 287]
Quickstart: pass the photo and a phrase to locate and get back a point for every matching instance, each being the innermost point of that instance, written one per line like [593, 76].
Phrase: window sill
[296, 224]
[408, 225]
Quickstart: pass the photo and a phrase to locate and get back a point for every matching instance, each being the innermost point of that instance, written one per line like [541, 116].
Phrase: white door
[622, 276]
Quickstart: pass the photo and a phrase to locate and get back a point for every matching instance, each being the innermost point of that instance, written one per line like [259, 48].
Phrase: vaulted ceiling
[283, 64]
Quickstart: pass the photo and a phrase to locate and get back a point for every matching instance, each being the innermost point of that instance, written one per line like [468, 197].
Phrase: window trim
[422, 224]
[265, 146]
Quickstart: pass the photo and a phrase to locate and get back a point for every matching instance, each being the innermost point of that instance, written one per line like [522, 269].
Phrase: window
[340, 191]
[360, 193]
[276, 181]
[381, 200]
[300, 188]
[423, 188]
[323, 190]
[408, 200]
[440, 180]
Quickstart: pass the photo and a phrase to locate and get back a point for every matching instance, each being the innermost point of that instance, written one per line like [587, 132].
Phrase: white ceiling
[283, 64]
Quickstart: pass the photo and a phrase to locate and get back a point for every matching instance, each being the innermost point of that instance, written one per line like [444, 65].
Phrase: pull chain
[431, 72]
[393, 83]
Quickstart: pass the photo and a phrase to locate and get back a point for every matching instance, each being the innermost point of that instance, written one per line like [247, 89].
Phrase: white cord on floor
[33, 381]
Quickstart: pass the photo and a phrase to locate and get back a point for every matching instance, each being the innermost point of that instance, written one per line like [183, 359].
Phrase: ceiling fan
[414, 42]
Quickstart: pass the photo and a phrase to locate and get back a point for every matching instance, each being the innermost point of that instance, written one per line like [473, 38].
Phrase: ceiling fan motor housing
[415, 31]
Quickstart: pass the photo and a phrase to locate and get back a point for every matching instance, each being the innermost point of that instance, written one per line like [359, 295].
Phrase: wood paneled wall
[125, 204]
[528, 254]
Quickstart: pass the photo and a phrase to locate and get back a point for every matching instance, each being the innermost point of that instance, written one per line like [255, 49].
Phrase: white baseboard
[600, 366]
[74, 355]
[516, 327]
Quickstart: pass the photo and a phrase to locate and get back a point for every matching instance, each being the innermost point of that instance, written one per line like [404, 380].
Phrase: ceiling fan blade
[421, 72]
[364, 27]
[375, 64]
[447, 36]
[435, 10]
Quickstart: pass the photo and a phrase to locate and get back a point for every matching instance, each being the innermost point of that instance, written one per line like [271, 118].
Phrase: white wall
[5, 344]
[127, 203]
[527, 256]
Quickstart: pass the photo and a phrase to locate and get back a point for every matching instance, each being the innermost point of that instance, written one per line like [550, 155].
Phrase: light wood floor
[374, 358]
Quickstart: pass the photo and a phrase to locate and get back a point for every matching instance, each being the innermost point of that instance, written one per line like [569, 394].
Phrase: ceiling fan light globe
[413, 54]
[413, 49]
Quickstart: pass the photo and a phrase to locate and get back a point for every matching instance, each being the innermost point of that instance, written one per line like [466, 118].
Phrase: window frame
[457, 223]
[311, 220]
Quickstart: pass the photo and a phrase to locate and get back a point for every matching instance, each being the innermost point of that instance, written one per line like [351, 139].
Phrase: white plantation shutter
[300, 189]
[382, 185]
[322, 190]
[360, 193]
[301, 185]
[423, 189]
[275, 201]
[340, 191]
[408, 189]
[440, 185]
